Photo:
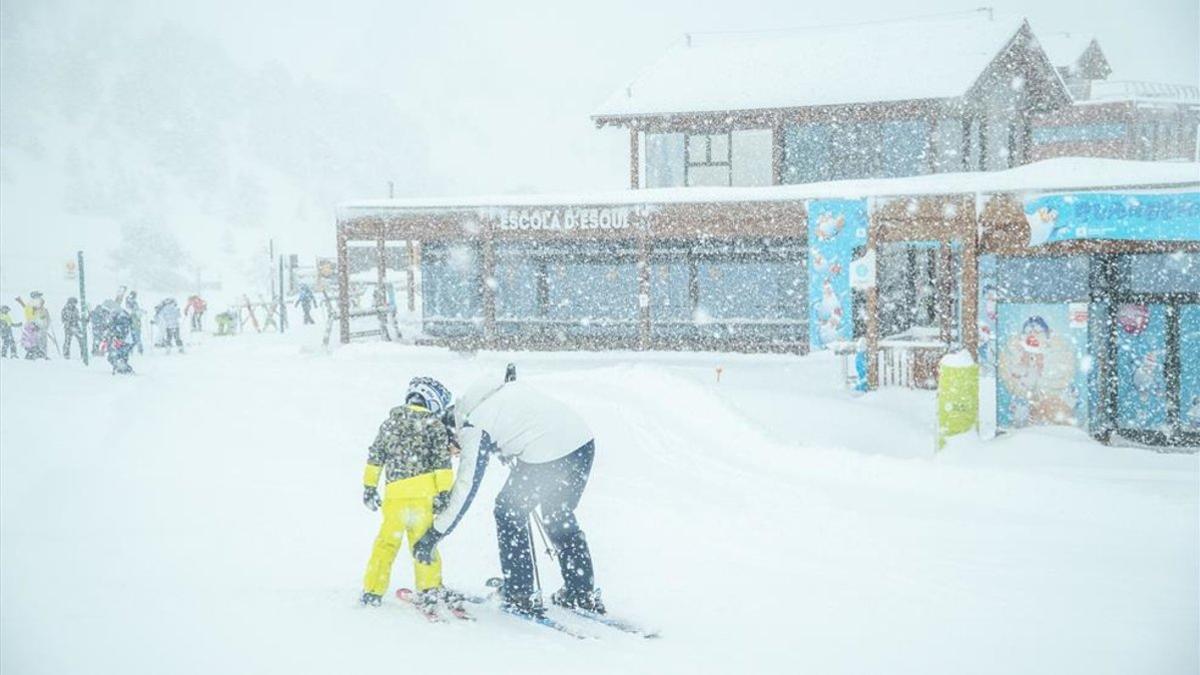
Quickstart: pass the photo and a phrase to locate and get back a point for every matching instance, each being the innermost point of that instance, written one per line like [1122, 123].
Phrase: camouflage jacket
[410, 442]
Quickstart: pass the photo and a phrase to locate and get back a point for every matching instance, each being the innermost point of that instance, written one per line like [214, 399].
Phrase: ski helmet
[428, 393]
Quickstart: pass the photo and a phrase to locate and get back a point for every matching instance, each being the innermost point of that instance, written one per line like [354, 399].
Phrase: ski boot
[531, 606]
[427, 601]
[588, 601]
[370, 600]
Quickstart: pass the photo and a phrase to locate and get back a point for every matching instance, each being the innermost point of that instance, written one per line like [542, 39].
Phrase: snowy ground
[204, 517]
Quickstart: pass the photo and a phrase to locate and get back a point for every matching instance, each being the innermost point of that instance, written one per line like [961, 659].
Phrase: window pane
[805, 153]
[948, 143]
[516, 284]
[752, 150]
[669, 298]
[752, 290]
[450, 282]
[664, 160]
[592, 291]
[903, 148]
[1162, 272]
[1059, 278]
[718, 148]
[708, 175]
[697, 148]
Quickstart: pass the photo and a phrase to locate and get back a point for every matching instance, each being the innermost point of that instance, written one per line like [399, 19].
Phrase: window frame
[708, 161]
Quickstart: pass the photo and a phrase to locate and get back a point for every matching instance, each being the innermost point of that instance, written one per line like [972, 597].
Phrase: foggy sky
[502, 91]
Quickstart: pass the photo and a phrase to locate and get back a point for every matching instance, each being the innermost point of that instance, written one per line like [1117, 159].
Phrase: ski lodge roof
[871, 62]
[1052, 175]
[1067, 50]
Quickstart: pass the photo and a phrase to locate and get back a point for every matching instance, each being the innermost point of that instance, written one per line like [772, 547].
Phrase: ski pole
[537, 580]
[542, 533]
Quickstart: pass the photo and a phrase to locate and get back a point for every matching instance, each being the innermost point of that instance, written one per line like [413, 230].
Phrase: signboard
[565, 218]
[1173, 216]
[862, 271]
[835, 228]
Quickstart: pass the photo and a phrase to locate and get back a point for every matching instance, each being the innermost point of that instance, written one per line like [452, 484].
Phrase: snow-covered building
[874, 100]
[887, 99]
[798, 195]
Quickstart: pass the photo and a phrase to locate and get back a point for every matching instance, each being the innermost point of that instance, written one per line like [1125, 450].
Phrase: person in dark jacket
[72, 328]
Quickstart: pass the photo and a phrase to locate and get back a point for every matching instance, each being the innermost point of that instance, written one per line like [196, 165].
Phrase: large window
[752, 156]
[1042, 278]
[854, 149]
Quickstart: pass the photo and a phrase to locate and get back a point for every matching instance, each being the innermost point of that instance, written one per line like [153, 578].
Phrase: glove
[371, 497]
[423, 550]
[440, 501]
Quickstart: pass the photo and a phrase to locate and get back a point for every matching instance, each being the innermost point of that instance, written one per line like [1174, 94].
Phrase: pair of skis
[431, 612]
[619, 624]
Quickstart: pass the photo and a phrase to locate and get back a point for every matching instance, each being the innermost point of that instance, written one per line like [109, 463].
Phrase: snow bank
[204, 517]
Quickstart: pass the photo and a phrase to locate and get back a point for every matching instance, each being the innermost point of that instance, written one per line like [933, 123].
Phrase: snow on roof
[1064, 49]
[886, 61]
[1105, 91]
[1051, 175]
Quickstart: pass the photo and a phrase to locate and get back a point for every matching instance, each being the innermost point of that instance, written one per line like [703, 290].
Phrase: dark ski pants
[556, 487]
[173, 338]
[9, 347]
[67, 338]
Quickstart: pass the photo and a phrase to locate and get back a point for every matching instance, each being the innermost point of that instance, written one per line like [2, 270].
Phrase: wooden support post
[970, 279]
[643, 270]
[872, 301]
[411, 276]
[943, 293]
[343, 271]
[487, 280]
[634, 169]
[777, 155]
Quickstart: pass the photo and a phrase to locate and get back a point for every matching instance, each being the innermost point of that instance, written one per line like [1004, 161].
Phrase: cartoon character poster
[1039, 366]
[1141, 366]
[835, 228]
[1189, 371]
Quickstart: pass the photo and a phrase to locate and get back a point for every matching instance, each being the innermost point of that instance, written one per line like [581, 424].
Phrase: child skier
[306, 302]
[166, 315]
[412, 451]
[120, 325]
[8, 346]
[37, 323]
[71, 327]
[196, 306]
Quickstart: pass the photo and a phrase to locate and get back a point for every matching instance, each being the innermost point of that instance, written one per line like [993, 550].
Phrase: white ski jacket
[516, 422]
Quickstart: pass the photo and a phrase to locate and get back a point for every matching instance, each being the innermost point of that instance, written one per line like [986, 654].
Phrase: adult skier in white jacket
[549, 450]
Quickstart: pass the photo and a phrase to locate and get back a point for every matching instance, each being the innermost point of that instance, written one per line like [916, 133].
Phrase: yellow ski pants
[407, 508]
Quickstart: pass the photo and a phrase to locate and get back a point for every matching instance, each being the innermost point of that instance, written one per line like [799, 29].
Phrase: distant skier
[72, 328]
[34, 332]
[120, 325]
[412, 451]
[549, 450]
[8, 346]
[306, 302]
[135, 320]
[166, 317]
[99, 318]
[196, 306]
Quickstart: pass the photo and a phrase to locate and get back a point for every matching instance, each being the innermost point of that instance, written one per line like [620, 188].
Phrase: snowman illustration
[829, 314]
[828, 227]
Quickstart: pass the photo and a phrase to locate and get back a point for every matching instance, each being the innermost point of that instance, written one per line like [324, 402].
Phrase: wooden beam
[634, 178]
[343, 270]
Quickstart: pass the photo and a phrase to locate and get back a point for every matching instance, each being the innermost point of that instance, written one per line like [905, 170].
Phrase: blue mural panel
[1141, 360]
[835, 228]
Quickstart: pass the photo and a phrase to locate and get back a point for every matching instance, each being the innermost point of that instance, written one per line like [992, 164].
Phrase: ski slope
[205, 517]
